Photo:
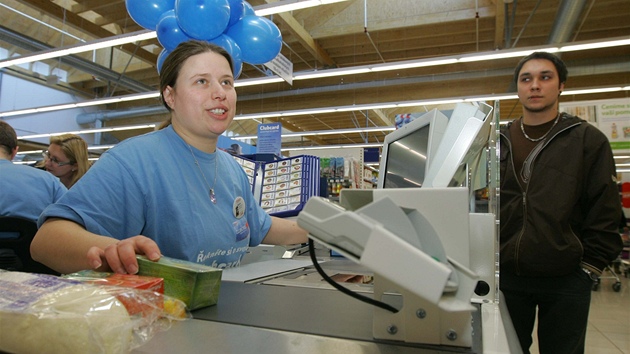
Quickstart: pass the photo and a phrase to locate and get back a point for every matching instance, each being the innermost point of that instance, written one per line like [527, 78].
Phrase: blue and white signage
[269, 138]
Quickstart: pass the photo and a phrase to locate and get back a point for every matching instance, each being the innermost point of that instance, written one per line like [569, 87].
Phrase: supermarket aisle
[609, 319]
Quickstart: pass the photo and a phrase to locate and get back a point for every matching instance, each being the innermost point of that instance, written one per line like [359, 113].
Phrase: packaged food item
[128, 281]
[197, 285]
[42, 313]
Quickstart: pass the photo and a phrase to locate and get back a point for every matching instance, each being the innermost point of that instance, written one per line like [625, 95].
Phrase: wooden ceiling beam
[305, 39]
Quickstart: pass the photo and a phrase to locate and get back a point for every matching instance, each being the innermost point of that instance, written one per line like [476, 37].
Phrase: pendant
[213, 198]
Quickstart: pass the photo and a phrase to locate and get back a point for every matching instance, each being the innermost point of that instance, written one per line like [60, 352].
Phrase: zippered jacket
[568, 213]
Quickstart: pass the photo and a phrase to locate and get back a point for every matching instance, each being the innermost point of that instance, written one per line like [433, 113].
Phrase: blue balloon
[160, 59]
[169, 34]
[202, 19]
[233, 49]
[259, 39]
[147, 13]
[236, 11]
[249, 10]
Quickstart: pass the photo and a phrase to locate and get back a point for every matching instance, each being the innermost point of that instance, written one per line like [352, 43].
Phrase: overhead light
[367, 106]
[80, 48]
[505, 54]
[263, 10]
[322, 132]
[592, 90]
[331, 72]
[305, 75]
[492, 98]
[89, 131]
[432, 102]
[309, 111]
[101, 147]
[336, 147]
[289, 5]
[410, 64]
[258, 81]
[321, 110]
[95, 102]
[595, 45]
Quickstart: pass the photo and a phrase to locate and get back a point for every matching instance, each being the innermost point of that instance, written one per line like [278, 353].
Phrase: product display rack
[283, 186]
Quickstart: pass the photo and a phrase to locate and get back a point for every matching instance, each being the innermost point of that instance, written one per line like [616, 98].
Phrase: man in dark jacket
[559, 211]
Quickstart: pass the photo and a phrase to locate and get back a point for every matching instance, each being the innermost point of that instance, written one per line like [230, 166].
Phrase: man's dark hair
[561, 68]
[8, 138]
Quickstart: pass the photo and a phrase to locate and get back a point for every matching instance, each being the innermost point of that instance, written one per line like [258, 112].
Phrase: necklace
[213, 197]
[544, 135]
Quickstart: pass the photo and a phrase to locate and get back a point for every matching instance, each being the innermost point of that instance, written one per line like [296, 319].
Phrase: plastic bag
[42, 313]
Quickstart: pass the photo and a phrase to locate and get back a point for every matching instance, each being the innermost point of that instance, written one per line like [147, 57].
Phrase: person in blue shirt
[67, 158]
[170, 192]
[25, 191]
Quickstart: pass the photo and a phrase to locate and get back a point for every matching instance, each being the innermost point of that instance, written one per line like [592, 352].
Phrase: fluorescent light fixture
[258, 81]
[492, 98]
[306, 148]
[592, 90]
[96, 102]
[343, 71]
[30, 152]
[289, 5]
[352, 131]
[410, 64]
[263, 10]
[504, 54]
[367, 106]
[323, 132]
[101, 147]
[428, 102]
[305, 75]
[595, 45]
[89, 131]
[80, 48]
[309, 111]
[435, 102]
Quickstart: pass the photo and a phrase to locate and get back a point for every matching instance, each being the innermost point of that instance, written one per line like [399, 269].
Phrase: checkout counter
[280, 305]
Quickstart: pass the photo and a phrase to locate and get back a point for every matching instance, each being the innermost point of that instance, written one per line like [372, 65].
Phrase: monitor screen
[406, 151]
[407, 159]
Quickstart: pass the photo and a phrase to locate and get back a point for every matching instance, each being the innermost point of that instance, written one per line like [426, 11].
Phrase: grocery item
[42, 313]
[197, 285]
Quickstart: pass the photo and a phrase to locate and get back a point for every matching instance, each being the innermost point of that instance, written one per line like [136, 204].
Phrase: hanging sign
[283, 67]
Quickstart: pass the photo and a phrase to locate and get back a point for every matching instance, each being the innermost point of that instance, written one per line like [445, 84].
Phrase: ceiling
[339, 35]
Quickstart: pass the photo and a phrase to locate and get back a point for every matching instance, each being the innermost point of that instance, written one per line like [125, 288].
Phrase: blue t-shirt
[150, 185]
[26, 191]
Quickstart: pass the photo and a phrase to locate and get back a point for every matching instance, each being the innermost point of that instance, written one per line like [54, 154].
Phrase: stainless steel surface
[252, 318]
[197, 336]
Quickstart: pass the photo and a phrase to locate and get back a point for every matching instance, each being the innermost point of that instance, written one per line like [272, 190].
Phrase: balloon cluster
[231, 24]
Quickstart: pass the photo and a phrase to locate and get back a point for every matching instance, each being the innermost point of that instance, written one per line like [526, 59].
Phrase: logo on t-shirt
[241, 228]
[238, 208]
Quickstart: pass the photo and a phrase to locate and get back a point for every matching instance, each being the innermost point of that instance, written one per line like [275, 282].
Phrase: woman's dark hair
[173, 62]
[561, 68]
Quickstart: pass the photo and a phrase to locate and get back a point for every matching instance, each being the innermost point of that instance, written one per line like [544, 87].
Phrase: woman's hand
[120, 256]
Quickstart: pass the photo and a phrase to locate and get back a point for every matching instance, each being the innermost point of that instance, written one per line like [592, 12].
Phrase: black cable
[311, 251]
